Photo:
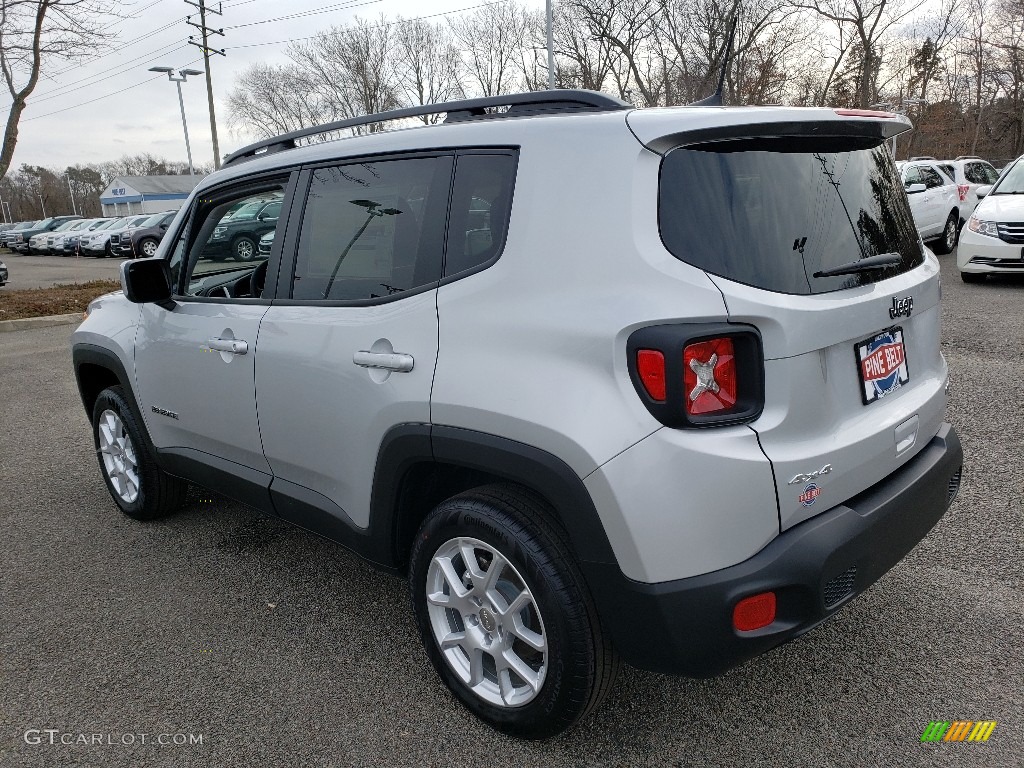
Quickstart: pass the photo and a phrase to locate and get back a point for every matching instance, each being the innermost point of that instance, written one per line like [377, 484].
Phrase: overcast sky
[91, 125]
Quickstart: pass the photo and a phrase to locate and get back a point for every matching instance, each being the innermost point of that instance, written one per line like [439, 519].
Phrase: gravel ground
[44, 271]
[281, 649]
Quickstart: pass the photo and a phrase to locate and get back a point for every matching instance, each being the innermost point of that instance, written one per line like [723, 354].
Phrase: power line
[130, 64]
[105, 96]
[373, 26]
[311, 12]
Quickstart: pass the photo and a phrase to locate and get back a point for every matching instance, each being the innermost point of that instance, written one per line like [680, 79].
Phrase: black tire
[580, 665]
[107, 252]
[143, 244]
[972, 277]
[243, 248]
[159, 494]
[950, 234]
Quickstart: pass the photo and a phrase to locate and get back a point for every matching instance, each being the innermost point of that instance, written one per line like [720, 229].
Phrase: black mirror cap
[146, 281]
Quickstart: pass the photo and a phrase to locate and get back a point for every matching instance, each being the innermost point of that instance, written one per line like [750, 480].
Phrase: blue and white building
[128, 195]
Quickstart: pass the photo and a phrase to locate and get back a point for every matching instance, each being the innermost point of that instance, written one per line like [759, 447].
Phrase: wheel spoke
[455, 640]
[523, 670]
[469, 558]
[533, 639]
[476, 666]
[458, 589]
[505, 683]
[521, 600]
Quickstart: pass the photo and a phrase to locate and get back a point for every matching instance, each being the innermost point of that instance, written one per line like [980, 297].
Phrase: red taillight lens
[754, 612]
[709, 376]
[650, 364]
[963, 189]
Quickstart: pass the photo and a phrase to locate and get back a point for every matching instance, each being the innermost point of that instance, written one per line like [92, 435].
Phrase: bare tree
[870, 20]
[350, 69]
[35, 33]
[426, 64]
[491, 38]
[269, 99]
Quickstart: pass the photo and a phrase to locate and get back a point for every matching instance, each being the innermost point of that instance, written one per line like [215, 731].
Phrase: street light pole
[551, 51]
[42, 205]
[74, 209]
[182, 76]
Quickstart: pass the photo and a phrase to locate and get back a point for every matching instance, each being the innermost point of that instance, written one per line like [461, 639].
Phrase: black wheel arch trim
[83, 354]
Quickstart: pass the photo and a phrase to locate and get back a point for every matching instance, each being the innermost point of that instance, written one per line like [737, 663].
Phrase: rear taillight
[963, 189]
[650, 365]
[709, 376]
[693, 375]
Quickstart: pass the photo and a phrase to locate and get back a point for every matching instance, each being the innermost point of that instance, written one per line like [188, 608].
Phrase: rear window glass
[980, 173]
[772, 212]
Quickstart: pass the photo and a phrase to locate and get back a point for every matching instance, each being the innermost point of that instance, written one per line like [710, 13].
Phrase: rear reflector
[863, 113]
[650, 364]
[709, 376]
[754, 612]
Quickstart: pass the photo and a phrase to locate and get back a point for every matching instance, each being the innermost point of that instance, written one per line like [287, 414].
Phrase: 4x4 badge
[901, 307]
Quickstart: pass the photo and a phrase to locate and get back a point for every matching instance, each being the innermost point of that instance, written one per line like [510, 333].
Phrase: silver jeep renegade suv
[660, 386]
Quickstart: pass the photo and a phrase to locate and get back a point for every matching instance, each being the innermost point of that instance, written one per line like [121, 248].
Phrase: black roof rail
[519, 104]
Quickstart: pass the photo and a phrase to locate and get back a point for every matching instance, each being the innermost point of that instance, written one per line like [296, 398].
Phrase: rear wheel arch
[420, 465]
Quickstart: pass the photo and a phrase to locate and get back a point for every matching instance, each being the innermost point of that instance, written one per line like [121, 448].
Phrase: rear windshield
[771, 212]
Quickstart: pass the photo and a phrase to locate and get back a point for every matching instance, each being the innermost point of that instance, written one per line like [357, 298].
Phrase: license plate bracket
[881, 364]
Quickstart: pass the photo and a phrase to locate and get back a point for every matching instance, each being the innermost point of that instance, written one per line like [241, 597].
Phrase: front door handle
[388, 361]
[231, 346]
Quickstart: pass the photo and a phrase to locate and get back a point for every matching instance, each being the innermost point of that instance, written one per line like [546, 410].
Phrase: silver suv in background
[591, 421]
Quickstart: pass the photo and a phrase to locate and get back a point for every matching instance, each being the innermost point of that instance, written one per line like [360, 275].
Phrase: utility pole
[42, 205]
[205, 32]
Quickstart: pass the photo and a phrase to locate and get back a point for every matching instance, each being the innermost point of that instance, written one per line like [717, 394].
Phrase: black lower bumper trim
[685, 627]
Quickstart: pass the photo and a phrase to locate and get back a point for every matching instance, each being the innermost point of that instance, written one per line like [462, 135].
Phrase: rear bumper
[685, 626]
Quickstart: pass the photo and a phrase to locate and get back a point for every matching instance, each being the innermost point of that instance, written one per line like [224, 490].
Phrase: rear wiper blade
[863, 265]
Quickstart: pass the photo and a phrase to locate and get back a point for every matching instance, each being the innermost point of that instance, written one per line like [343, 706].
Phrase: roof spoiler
[715, 99]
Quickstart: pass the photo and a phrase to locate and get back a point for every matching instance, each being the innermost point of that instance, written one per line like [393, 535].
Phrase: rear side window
[372, 230]
[980, 173]
[481, 201]
[949, 170]
[772, 212]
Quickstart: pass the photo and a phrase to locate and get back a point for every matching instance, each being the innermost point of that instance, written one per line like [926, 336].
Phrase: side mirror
[913, 189]
[146, 281]
[983, 190]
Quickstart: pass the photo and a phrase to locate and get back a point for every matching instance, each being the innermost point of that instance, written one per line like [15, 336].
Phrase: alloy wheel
[486, 622]
[149, 248]
[118, 456]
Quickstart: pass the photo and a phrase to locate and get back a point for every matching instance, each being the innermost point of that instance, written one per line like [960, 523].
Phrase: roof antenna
[715, 99]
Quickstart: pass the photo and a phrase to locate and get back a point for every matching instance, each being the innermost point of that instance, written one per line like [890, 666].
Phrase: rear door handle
[231, 346]
[388, 361]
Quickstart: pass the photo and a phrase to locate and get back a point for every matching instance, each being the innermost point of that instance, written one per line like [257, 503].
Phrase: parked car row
[943, 194]
[124, 237]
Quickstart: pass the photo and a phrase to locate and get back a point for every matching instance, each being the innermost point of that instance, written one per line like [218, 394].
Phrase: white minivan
[993, 240]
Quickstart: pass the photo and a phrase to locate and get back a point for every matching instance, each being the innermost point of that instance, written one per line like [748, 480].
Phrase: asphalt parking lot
[281, 649]
[44, 271]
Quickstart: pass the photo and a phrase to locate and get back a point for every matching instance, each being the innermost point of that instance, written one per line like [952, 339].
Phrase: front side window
[773, 212]
[372, 230]
[223, 253]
